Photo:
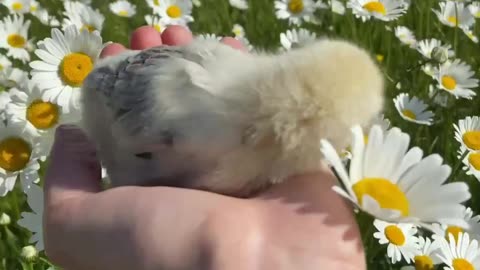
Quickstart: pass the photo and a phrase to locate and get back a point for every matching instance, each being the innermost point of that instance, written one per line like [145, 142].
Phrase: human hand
[299, 224]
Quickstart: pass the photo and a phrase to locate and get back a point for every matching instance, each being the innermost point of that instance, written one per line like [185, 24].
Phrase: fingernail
[69, 133]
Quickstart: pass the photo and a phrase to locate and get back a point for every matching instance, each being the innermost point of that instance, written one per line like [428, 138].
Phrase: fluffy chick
[209, 117]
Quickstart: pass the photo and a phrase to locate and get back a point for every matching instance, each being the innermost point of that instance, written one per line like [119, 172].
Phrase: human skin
[298, 224]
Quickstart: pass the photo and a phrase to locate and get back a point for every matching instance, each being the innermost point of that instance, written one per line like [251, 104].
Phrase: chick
[206, 116]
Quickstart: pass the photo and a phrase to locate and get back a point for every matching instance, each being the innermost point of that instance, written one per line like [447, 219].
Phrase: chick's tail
[316, 92]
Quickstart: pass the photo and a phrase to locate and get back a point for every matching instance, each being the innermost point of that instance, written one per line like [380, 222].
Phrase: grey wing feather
[156, 94]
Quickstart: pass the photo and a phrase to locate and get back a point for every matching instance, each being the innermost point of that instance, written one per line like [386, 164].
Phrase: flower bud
[29, 253]
[440, 54]
[5, 219]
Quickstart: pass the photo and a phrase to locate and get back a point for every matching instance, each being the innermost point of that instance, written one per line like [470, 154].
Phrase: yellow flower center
[42, 115]
[295, 6]
[462, 264]
[237, 31]
[156, 2]
[157, 27]
[14, 154]
[394, 235]
[387, 194]
[453, 20]
[365, 139]
[33, 8]
[90, 28]
[423, 262]
[409, 114]
[380, 58]
[174, 11]
[123, 13]
[477, 14]
[17, 6]
[472, 139]
[1, 67]
[375, 7]
[74, 68]
[454, 231]
[474, 160]
[16, 41]
[449, 82]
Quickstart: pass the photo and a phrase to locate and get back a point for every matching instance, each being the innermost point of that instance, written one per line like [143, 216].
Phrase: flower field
[413, 177]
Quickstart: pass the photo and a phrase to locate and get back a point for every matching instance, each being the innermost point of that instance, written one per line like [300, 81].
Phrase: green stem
[455, 37]
[430, 149]
[457, 166]
[432, 98]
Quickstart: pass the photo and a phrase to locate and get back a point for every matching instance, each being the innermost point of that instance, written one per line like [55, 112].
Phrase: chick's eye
[145, 155]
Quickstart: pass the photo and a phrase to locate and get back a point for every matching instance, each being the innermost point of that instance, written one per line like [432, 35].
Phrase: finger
[145, 37]
[234, 43]
[112, 49]
[74, 169]
[176, 35]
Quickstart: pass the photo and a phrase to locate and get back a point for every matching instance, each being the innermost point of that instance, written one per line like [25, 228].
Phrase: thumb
[74, 169]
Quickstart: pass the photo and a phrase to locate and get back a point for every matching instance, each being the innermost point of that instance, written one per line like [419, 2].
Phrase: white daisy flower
[296, 38]
[156, 22]
[429, 69]
[238, 30]
[379, 120]
[459, 255]
[33, 221]
[4, 100]
[65, 62]
[405, 36]
[34, 6]
[45, 18]
[385, 10]
[413, 109]
[295, 11]
[154, 4]
[456, 78]
[36, 115]
[400, 238]
[474, 8]
[176, 11]
[240, 4]
[467, 133]
[320, 5]
[454, 14]
[123, 8]
[13, 77]
[5, 63]
[197, 3]
[394, 185]
[471, 162]
[427, 46]
[82, 16]
[469, 33]
[209, 36]
[14, 37]
[337, 7]
[426, 256]
[17, 6]
[19, 155]
[473, 223]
